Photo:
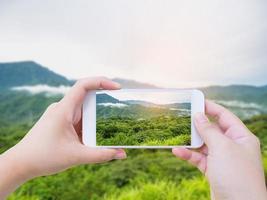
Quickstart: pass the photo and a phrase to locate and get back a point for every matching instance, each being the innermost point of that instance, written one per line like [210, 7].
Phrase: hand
[54, 143]
[231, 158]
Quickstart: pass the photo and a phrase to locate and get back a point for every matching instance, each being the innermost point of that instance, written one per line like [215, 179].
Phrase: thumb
[98, 155]
[209, 132]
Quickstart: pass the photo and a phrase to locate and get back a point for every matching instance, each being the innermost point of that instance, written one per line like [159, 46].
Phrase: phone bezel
[89, 118]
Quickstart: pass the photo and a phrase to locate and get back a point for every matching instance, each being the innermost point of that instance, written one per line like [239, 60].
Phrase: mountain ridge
[28, 73]
[232, 96]
[23, 73]
[61, 80]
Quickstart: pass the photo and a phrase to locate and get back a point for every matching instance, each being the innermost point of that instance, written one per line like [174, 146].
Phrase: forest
[161, 130]
[139, 122]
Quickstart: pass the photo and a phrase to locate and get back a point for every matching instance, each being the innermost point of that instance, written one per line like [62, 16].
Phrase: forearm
[12, 173]
[252, 187]
[255, 193]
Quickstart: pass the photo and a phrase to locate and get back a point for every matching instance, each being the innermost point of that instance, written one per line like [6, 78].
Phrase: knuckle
[53, 106]
[256, 140]
[208, 127]
[100, 78]
[79, 82]
[105, 158]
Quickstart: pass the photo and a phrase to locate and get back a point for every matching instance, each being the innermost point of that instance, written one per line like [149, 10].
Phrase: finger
[94, 155]
[210, 134]
[74, 98]
[224, 117]
[197, 159]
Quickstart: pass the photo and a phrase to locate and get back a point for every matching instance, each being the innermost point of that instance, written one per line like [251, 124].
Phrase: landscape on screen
[143, 119]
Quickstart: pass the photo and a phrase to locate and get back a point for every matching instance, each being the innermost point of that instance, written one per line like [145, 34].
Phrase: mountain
[244, 93]
[22, 107]
[28, 73]
[179, 105]
[150, 104]
[126, 83]
[104, 98]
[139, 102]
[31, 73]
[244, 100]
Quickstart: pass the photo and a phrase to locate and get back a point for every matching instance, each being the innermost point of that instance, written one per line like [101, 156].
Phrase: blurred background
[216, 46]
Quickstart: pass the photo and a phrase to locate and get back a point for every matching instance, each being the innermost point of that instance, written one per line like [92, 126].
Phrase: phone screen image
[134, 118]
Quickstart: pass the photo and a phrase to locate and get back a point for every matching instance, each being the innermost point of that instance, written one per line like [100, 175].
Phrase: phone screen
[138, 118]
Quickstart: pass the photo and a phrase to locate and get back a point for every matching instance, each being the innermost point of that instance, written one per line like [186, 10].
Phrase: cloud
[36, 89]
[240, 104]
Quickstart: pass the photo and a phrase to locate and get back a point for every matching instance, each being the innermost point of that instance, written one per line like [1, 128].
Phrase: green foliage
[160, 130]
[143, 167]
[21, 107]
[183, 139]
[11, 134]
[193, 189]
[145, 174]
[258, 126]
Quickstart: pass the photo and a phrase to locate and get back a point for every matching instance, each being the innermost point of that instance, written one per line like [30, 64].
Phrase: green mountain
[137, 109]
[104, 98]
[28, 73]
[244, 93]
[19, 106]
[126, 83]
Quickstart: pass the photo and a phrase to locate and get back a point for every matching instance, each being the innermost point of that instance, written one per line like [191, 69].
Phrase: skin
[54, 143]
[230, 158]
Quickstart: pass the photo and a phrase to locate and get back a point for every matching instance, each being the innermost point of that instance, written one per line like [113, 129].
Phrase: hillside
[104, 98]
[245, 101]
[28, 73]
[126, 83]
[245, 93]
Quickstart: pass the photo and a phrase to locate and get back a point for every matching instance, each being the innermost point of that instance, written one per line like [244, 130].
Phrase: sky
[169, 43]
[154, 97]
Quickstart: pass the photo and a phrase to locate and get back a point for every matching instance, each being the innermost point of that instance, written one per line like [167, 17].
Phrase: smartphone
[141, 118]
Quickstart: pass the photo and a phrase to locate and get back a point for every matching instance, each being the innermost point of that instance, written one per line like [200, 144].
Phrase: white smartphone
[141, 118]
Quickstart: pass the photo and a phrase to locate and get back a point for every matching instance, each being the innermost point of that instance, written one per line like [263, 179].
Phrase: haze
[153, 97]
[165, 42]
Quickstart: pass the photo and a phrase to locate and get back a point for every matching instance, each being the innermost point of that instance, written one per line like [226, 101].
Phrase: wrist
[13, 172]
[258, 193]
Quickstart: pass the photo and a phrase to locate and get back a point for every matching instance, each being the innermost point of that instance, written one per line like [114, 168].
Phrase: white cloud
[118, 105]
[50, 90]
[241, 104]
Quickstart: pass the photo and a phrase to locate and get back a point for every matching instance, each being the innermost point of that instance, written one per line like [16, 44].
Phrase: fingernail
[120, 155]
[201, 118]
[117, 85]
